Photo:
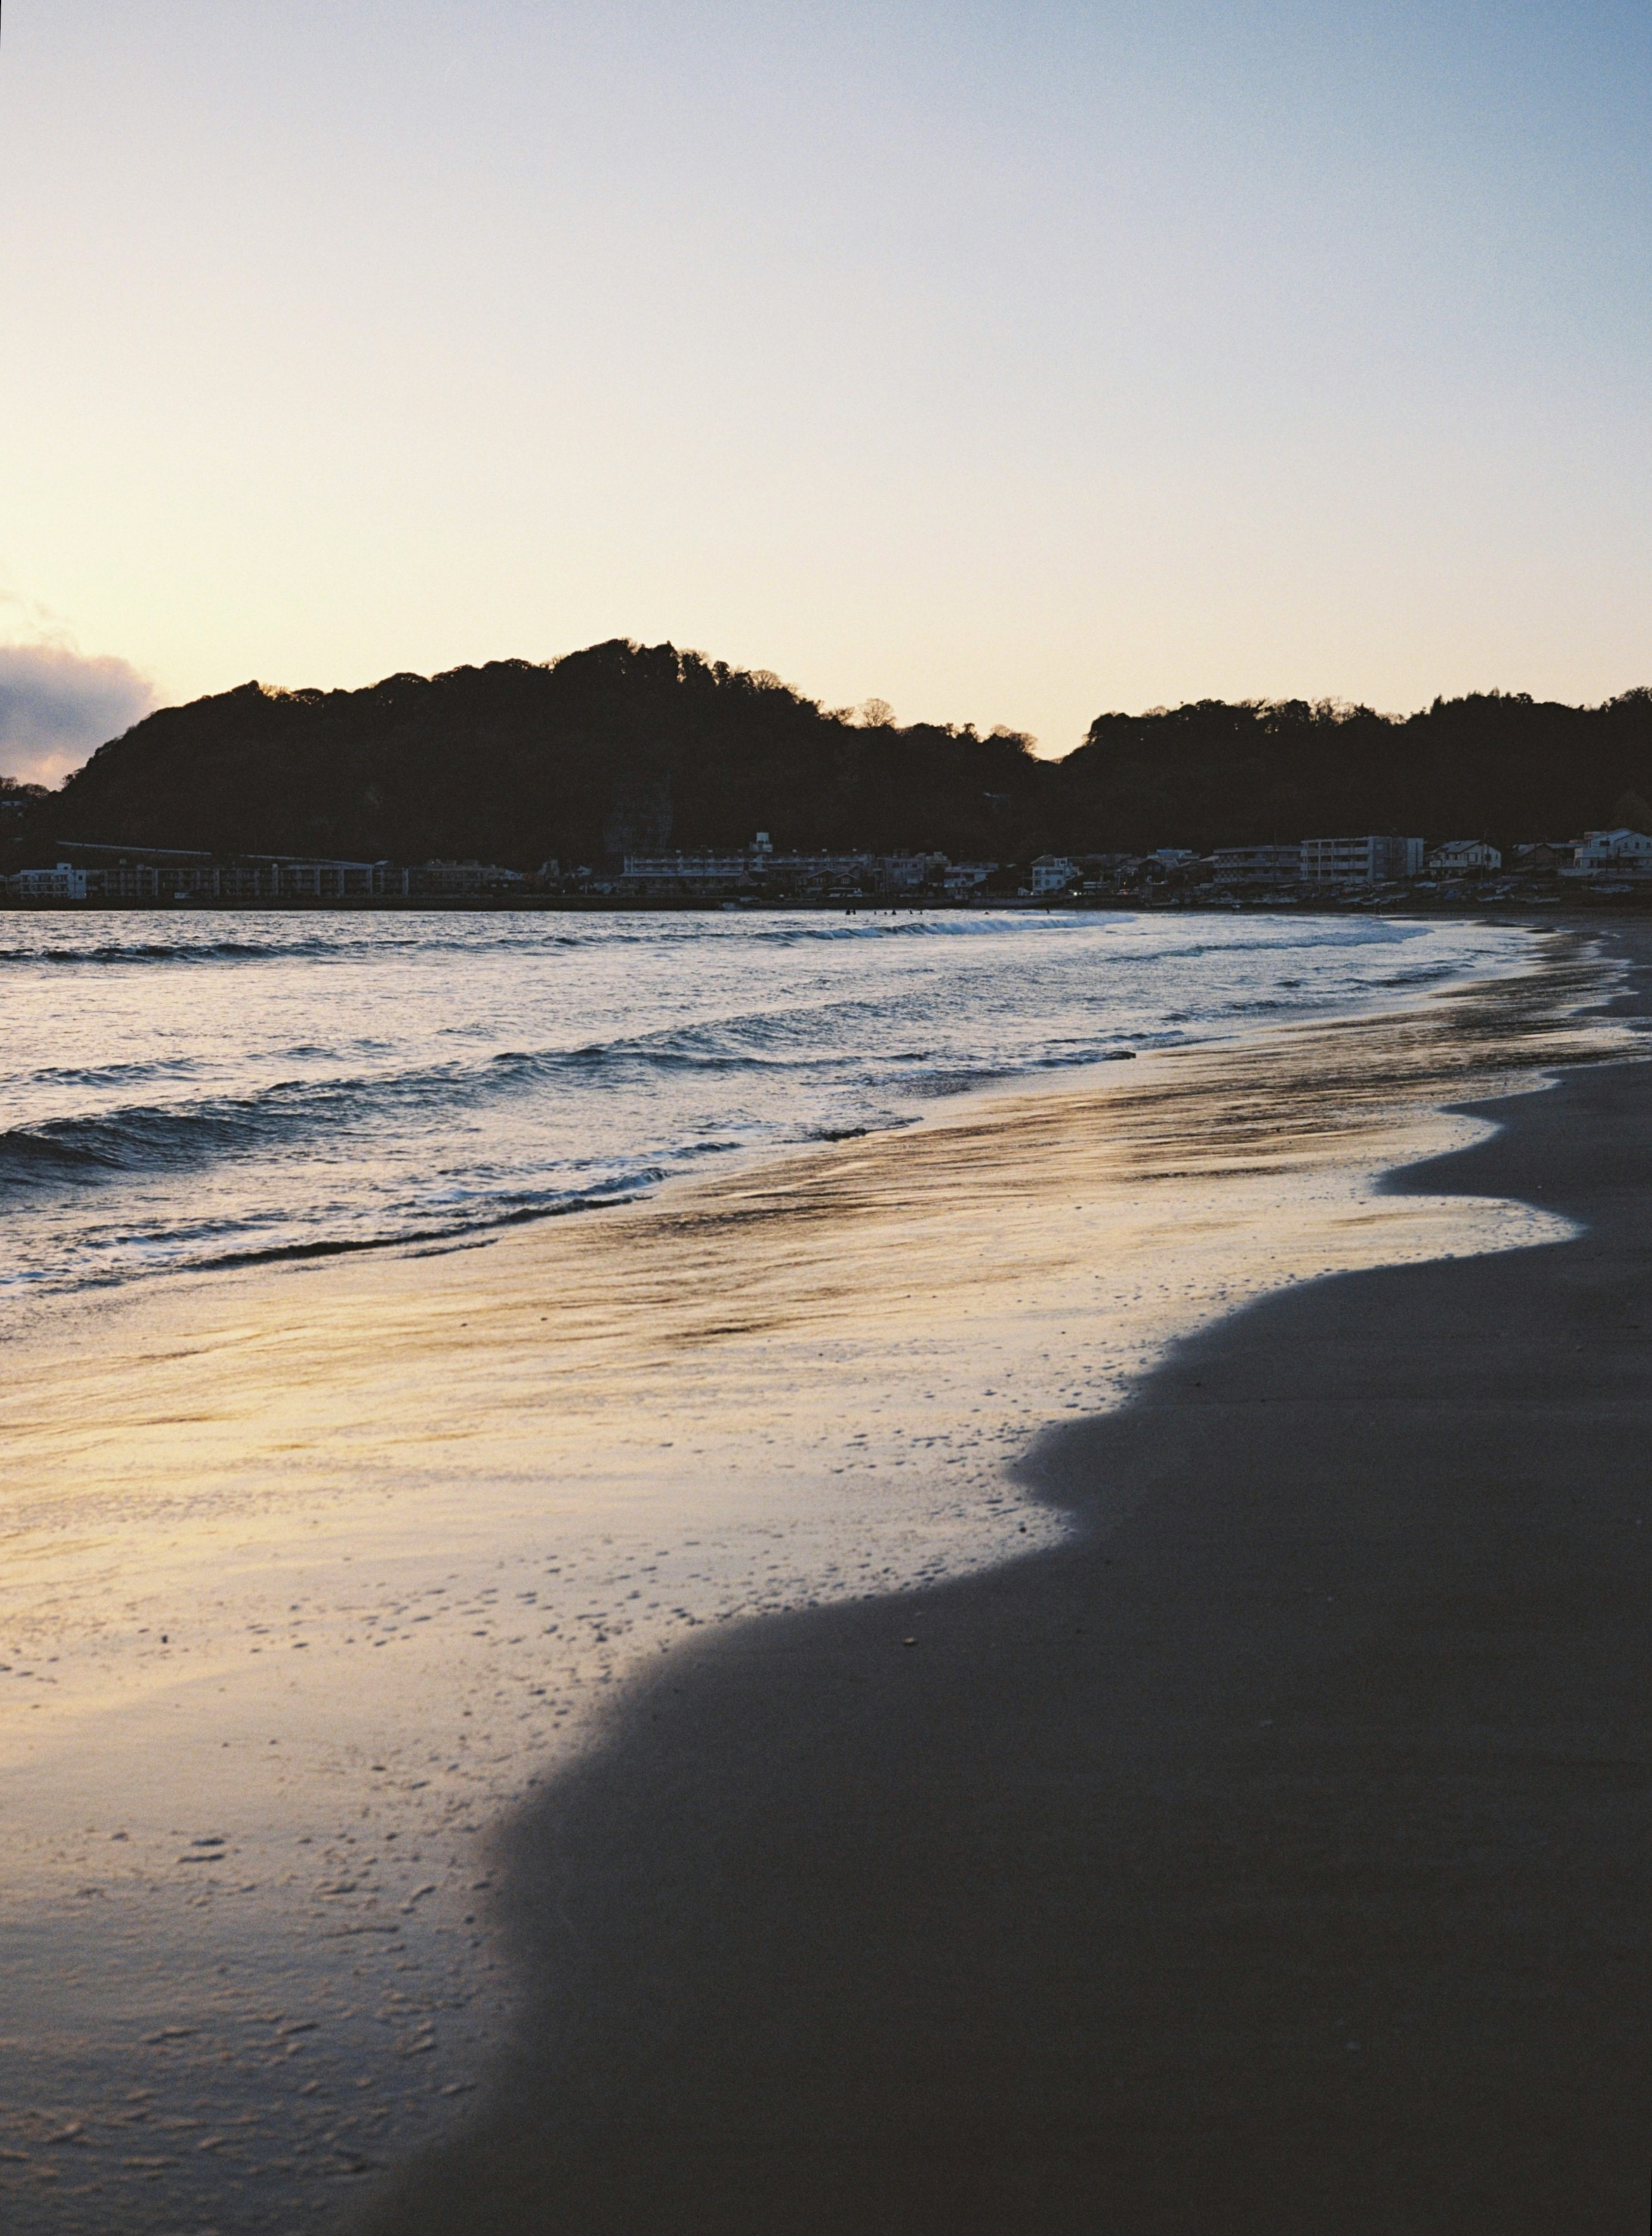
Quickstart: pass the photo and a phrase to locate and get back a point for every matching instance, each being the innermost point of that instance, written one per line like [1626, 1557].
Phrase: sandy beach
[323, 1572]
[825, 1120]
[1270, 1854]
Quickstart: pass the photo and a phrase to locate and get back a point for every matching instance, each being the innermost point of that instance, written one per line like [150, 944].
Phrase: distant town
[1363, 870]
[629, 774]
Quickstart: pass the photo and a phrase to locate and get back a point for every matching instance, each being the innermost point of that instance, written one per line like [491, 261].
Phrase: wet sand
[1271, 1855]
[313, 1571]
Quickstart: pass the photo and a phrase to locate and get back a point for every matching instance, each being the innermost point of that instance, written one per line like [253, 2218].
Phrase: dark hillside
[23, 811]
[1491, 765]
[624, 746]
[616, 747]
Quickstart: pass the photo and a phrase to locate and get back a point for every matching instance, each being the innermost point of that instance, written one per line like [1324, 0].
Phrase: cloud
[58, 705]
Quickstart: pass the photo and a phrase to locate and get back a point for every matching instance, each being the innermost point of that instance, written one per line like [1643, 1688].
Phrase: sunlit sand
[312, 1570]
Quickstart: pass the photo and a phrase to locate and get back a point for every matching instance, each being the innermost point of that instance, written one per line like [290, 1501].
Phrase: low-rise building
[176, 873]
[163, 874]
[699, 870]
[1614, 852]
[820, 873]
[453, 880]
[1256, 865]
[707, 870]
[1108, 873]
[1374, 860]
[1051, 873]
[908, 873]
[62, 884]
[323, 881]
[1457, 855]
[967, 876]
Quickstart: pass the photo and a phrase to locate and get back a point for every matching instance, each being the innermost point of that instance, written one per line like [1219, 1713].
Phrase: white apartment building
[1052, 873]
[63, 883]
[1369, 861]
[1617, 850]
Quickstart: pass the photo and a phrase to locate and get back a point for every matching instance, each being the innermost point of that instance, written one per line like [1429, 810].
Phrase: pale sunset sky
[1007, 362]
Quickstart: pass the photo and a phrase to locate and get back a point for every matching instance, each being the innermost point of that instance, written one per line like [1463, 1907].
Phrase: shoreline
[274, 1436]
[1272, 1851]
[1527, 908]
[654, 1193]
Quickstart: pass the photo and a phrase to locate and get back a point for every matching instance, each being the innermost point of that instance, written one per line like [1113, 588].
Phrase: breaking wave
[250, 1089]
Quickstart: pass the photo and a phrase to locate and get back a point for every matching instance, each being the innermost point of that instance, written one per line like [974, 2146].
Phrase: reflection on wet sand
[316, 1568]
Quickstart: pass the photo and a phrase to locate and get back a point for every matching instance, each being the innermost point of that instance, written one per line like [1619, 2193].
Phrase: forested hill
[624, 746]
[611, 749]
[1493, 764]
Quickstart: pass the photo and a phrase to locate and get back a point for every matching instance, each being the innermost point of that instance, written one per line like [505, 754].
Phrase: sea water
[184, 1091]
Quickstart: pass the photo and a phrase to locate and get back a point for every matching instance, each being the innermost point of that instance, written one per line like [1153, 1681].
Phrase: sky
[1010, 363]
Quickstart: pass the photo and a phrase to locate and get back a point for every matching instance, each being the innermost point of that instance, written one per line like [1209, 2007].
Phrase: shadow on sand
[1274, 1857]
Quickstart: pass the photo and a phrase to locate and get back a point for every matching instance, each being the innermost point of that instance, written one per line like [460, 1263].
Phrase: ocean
[187, 1092]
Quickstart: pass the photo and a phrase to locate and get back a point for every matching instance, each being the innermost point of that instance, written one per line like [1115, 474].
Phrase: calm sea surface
[183, 1092]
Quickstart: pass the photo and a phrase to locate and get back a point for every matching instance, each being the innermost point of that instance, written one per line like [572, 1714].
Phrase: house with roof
[1614, 852]
[1457, 856]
